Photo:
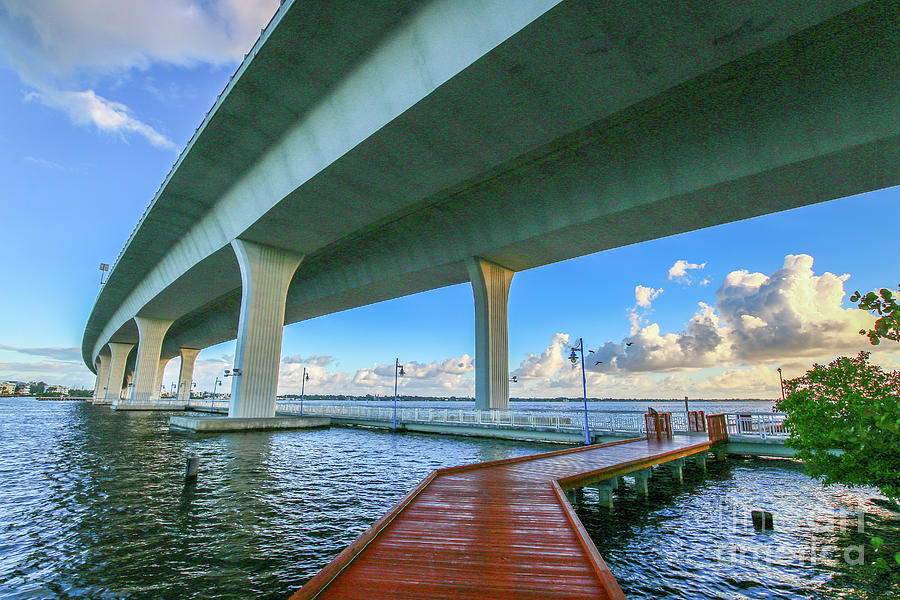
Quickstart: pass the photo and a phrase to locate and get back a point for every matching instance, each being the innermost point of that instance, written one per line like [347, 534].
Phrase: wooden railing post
[717, 428]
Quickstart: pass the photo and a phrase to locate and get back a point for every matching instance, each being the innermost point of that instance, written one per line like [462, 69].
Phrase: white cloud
[54, 45]
[791, 314]
[313, 359]
[645, 295]
[54, 352]
[55, 372]
[53, 39]
[679, 270]
[87, 108]
[452, 376]
[548, 363]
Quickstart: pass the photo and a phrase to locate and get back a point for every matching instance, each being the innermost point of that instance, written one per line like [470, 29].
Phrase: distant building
[56, 389]
[7, 388]
[23, 390]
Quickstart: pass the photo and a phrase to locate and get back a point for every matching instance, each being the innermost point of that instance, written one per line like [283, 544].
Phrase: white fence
[761, 425]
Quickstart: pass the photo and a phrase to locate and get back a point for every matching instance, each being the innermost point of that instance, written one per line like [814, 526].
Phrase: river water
[93, 505]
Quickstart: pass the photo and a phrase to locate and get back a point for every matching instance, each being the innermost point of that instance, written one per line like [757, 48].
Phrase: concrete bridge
[366, 151]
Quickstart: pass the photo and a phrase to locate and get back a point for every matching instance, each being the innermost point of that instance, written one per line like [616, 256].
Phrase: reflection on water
[93, 504]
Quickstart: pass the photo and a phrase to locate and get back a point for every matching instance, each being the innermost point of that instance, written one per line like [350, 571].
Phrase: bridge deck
[502, 529]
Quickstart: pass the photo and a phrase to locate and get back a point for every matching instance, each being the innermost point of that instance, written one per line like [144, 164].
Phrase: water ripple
[93, 505]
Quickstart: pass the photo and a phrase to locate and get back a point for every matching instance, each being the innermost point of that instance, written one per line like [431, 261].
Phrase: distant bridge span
[366, 151]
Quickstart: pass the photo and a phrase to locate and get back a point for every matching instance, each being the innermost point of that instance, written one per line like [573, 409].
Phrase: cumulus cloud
[452, 375]
[548, 363]
[679, 271]
[645, 295]
[789, 318]
[87, 108]
[790, 314]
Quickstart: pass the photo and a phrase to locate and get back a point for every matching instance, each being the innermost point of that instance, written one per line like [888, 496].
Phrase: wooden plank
[501, 529]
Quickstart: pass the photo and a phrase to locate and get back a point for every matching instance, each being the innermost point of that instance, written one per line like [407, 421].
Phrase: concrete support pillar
[266, 273]
[605, 494]
[145, 391]
[700, 460]
[642, 482]
[186, 374]
[677, 468]
[102, 378]
[490, 285]
[97, 385]
[116, 374]
[160, 372]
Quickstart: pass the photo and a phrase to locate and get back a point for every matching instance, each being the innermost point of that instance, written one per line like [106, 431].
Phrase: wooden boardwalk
[498, 530]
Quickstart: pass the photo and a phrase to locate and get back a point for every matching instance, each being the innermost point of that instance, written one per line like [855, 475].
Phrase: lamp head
[402, 372]
[573, 358]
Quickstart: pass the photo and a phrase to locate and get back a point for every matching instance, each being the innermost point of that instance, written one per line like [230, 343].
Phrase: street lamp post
[303, 389]
[398, 372]
[212, 404]
[781, 379]
[574, 359]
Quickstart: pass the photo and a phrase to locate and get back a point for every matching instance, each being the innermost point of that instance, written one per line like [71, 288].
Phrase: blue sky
[95, 105]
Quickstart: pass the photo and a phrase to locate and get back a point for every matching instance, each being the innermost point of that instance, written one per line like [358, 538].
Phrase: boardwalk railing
[762, 425]
[631, 423]
[716, 426]
[659, 425]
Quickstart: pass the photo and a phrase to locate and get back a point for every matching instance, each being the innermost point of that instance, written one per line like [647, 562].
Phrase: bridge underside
[591, 127]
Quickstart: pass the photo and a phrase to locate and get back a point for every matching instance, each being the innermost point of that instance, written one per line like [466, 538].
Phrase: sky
[97, 98]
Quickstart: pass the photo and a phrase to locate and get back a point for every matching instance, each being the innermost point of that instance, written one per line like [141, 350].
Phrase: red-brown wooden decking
[502, 529]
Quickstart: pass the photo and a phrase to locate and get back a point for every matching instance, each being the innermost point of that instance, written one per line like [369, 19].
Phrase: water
[93, 505]
[696, 540]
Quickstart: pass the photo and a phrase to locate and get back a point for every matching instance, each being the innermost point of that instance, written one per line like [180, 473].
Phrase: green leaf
[877, 542]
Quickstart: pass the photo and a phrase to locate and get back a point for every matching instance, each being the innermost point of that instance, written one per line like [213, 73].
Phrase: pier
[500, 529]
[748, 433]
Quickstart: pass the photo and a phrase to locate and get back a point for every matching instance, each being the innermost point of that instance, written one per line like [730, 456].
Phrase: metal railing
[173, 403]
[761, 425]
[625, 423]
